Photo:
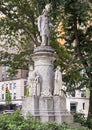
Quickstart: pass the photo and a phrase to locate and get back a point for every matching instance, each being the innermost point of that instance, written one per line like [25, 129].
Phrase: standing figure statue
[33, 82]
[44, 25]
[30, 75]
[38, 84]
[58, 87]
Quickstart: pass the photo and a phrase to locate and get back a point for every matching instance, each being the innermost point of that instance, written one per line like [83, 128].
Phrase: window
[73, 107]
[14, 96]
[4, 74]
[2, 87]
[7, 68]
[7, 76]
[14, 48]
[83, 93]
[2, 96]
[14, 85]
[10, 86]
[72, 93]
[3, 69]
[3, 77]
[83, 106]
[6, 85]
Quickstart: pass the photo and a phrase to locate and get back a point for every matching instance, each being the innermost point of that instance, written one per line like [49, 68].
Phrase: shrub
[16, 121]
[79, 117]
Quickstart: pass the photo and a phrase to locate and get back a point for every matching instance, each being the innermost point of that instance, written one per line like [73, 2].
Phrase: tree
[19, 25]
[78, 32]
[19, 29]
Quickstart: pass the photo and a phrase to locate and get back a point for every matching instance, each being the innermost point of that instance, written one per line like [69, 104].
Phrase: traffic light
[6, 89]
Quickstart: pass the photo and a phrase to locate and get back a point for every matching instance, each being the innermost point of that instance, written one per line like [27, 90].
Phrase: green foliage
[78, 29]
[79, 117]
[19, 25]
[27, 91]
[8, 97]
[16, 121]
[75, 25]
[19, 31]
[89, 123]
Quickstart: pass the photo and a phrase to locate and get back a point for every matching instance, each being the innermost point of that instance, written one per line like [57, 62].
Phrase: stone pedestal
[59, 103]
[43, 58]
[31, 105]
[46, 106]
[46, 109]
[60, 112]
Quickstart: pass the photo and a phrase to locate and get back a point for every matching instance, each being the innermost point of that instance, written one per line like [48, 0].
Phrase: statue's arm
[39, 23]
[50, 24]
[56, 76]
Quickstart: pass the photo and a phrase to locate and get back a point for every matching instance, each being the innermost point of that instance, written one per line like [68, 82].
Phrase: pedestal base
[47, 109]
[60, 112]
[31, 105]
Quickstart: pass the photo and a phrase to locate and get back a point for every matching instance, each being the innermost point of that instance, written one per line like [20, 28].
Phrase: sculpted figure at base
[58, 87]
[43, 26]
[34, 83]
[29, 75]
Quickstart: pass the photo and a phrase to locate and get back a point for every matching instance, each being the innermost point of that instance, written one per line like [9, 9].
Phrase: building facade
[16, 86]
[78, 101]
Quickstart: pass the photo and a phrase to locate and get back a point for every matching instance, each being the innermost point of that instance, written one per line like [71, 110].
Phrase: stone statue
[29, 75]
[43, 26]
[58, 87]
[33, 82]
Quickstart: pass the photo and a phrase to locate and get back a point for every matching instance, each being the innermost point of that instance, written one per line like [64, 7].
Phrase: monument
[47, 99]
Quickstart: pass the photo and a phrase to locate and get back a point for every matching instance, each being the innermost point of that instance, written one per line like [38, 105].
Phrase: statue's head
[48, 7]
[31, 68]
[44, 12]
[58, 67]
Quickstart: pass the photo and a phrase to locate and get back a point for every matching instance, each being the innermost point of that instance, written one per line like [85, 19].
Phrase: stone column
[43, 58]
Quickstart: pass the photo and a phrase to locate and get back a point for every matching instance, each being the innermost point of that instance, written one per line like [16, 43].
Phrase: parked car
[8, 111]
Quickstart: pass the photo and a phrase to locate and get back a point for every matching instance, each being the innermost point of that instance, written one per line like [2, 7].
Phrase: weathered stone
[43, 58]
[31, 105]
[46, 107]
[61, 114]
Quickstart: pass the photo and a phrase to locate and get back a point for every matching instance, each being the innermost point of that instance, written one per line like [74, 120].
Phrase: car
[8, 111]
